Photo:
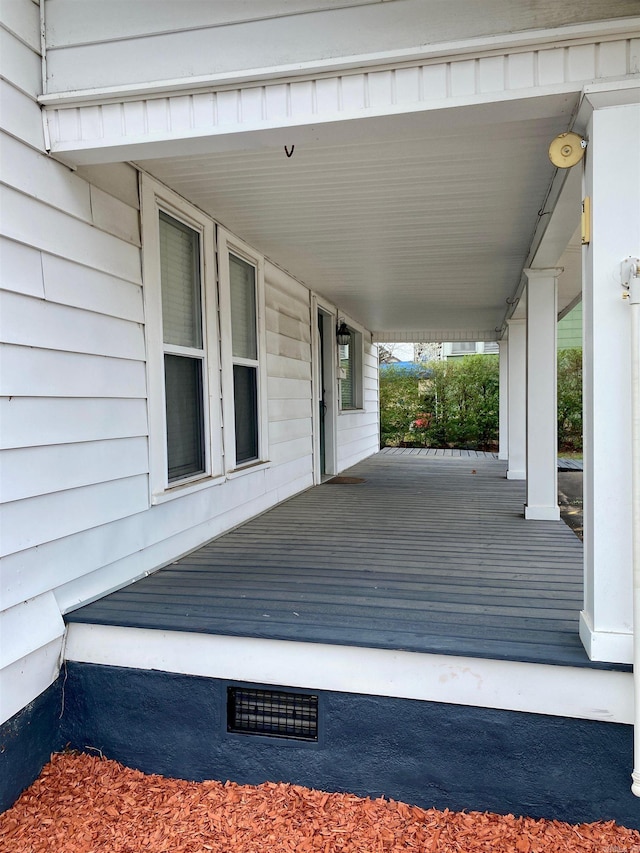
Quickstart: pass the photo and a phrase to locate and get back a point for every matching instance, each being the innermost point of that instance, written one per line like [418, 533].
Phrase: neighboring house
[196, 197]
[570, 329]
[458, 349]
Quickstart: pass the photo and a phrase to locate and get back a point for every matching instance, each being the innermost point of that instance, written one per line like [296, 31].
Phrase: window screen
[243, 308]
[347, 383]
[246, 412]
[185, 439]
[180, 271]
[184, 353]
[244, 347]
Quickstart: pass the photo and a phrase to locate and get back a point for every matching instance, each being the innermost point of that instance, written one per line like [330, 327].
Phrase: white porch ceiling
[415, 225]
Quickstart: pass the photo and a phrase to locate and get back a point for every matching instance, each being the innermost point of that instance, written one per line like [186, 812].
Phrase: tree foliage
[570, 399]
[455, 403]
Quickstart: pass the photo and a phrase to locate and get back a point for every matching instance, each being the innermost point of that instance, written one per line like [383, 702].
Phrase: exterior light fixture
[343, 335]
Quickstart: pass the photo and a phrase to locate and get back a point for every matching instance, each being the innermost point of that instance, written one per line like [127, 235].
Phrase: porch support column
[612, 179]
[503, 396]
[517, 397]
[542, 406]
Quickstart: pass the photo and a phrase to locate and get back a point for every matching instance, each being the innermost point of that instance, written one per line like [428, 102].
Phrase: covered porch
[435, 628]
[407, 552]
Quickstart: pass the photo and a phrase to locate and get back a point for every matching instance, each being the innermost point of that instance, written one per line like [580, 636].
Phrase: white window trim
[358, 370]
[228, 244]
[154, 197]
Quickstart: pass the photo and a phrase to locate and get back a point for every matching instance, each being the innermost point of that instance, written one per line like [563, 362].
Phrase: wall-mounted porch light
[343, 334]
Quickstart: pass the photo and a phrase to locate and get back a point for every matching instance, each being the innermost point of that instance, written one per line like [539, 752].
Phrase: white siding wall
[111, 43]
[358, 431]
[76, 516]
[71, 329]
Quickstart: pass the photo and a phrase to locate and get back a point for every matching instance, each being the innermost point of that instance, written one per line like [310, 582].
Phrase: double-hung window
[350, 361]
[180, 302]
[244, 356]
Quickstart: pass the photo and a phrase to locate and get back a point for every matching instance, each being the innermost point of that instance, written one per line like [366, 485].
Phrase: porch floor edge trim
[563, 691]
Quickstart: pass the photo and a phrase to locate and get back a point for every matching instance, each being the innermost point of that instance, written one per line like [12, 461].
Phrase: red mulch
[85, 804]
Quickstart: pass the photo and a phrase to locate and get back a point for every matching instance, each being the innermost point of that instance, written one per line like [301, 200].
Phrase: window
[180, 308]
[463, 347]
[244, 358]
[184, 356]
[350, 359]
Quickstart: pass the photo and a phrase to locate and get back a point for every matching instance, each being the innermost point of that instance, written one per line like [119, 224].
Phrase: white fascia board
[580, 693]
[555, 37]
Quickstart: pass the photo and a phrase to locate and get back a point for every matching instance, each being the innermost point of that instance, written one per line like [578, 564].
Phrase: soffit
[418, 223]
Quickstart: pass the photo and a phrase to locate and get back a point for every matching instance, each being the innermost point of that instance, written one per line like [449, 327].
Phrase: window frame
[229, 244]
[356, 355]
[154, 199]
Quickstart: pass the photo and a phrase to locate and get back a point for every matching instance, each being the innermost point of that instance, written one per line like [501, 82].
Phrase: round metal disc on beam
[566, 150]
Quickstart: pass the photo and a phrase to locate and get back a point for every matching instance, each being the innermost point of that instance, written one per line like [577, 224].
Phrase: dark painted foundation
[27, 741]
[425, 753]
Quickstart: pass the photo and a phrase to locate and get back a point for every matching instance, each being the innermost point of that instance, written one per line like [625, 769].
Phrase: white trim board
[574, 692]
[115, 125]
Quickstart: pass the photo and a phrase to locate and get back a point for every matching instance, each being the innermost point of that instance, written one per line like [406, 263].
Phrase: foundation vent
[273, 713]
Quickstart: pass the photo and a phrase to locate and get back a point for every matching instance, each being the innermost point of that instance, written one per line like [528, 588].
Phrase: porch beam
[517, 397]
[195, 116]
[542, 419]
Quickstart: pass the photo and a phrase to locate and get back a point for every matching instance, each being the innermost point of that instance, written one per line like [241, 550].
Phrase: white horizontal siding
[358, 431]
[21, 682]
[68, 283]
[77, 521]
[38, 421]
[96, 47]
[20, 116]
[117, 179]
[28, 372]
[289, 382]
[21, 268]
[31, 471]
[22, 20]
[27, 523]
[73, 420]
[45, 622]
[38, 323]
[284, 410]
[21, 64]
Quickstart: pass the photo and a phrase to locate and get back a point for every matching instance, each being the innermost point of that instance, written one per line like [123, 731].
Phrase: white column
[542, 405]
[517, 383]
[503, 413]
[612, 181]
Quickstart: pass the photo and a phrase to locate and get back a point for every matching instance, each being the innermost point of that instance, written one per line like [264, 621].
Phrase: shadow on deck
[429, 554]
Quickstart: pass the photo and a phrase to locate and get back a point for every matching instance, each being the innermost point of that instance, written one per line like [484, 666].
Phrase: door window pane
[245, 392]
[180, 276]
[185, 433]
[243, 308]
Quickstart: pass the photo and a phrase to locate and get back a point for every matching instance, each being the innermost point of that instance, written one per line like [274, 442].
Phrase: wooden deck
[429, 554]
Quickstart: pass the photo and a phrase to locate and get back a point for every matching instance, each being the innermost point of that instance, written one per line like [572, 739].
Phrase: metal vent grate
[272, 713]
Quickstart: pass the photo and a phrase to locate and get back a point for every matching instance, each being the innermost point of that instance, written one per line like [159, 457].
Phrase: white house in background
[458, 349]
[196, 195]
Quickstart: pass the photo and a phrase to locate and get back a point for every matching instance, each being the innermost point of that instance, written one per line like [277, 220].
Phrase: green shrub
[570, 399]
[400, 403]
[457, 405]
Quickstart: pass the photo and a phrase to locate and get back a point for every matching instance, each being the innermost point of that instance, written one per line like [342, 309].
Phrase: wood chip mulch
[86, 804]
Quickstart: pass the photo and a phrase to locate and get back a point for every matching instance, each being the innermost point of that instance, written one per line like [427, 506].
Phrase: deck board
[430, 553]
